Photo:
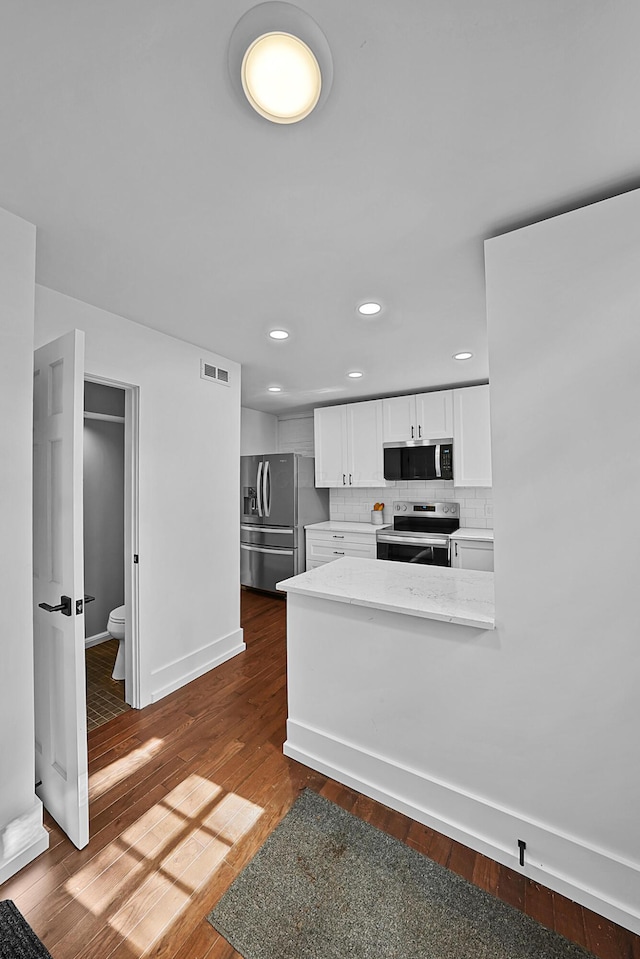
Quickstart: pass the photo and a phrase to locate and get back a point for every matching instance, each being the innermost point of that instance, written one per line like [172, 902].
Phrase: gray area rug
[17, 938]
[326, 885]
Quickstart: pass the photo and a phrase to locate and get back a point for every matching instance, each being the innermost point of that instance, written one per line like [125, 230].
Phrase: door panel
[280, 489]
[261, 567]
[434, 414]
[59, 666]
[330, 436]
[364, 430]
[250, 504]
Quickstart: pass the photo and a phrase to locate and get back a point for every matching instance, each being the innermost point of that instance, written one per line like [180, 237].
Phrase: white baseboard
[596, 878]
[21, 840]
[187, 668]
[96, 640]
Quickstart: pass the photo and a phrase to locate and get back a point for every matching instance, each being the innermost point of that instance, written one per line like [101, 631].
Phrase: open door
[58, 590]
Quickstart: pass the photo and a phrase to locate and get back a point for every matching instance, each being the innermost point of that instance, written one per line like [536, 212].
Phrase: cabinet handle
[337, 552]
[349, 479]
[344, 479]
[412, 432]
[419, 432]
[456, 545]
[338, 536]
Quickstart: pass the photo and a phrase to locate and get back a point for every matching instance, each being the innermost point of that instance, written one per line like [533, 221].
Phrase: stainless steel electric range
[420, 533]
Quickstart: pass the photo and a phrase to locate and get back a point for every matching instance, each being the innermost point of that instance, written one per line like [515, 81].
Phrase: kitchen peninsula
[378, 653]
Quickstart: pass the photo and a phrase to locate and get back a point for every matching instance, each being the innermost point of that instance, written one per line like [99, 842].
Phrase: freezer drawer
[278, 537]
[261, 567]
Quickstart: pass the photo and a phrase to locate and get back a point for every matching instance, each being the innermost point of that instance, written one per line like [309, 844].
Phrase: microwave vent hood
[421, 442]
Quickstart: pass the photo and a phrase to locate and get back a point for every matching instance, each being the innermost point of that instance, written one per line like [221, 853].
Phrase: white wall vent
[213, 374]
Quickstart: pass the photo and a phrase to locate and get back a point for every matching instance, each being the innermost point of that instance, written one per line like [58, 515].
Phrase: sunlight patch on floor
[148, 874]
[139, 847]
[155, 905]
[104, 779]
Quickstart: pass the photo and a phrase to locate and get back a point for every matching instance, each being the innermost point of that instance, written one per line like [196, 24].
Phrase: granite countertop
[469, 533]
[345, 526]
[462, 596]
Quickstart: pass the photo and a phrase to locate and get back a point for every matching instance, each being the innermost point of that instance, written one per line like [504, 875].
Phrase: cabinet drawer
[326, 536]
[330, 551]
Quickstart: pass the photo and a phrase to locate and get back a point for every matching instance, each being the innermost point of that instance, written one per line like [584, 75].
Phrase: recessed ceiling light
[275, 389]
[281, 77]
[462, 356]
[369, 309]
[278, 334]
[355, 374]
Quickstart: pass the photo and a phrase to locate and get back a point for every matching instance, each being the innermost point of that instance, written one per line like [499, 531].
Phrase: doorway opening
[110, 548]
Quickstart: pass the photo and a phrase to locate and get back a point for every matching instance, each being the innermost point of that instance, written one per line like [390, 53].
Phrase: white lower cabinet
[471, 554]
[323, 546]
[348, 444]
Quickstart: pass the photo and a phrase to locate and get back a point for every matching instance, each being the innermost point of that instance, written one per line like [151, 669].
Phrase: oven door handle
[412, 540]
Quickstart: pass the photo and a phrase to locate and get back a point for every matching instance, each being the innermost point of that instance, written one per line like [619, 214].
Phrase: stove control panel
[428, 509]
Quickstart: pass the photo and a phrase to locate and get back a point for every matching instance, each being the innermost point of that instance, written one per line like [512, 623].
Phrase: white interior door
[58, 580]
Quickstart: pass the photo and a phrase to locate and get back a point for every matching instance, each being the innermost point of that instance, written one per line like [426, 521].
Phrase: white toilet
[115, 626]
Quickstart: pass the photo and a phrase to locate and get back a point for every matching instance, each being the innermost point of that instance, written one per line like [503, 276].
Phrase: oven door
[407, 549]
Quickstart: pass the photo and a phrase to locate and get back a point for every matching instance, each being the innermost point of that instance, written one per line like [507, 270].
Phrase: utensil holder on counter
[376, 517]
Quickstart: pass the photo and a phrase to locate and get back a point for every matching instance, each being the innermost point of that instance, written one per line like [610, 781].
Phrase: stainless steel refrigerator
[277, 500]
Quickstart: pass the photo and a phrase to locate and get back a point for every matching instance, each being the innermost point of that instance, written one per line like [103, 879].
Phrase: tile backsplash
[355, 505]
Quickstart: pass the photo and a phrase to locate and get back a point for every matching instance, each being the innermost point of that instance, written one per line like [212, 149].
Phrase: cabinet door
[434, 415]
[472, 555]
[471, 436]
[329, 429]
[364, 443]
[399, 419]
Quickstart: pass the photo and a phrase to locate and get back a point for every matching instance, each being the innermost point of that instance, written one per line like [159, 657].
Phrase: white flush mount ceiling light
[279, 335]
[281, 77]
[465, 355]
[275, 389]
[355, 374]
[369, 309]
[279, 62]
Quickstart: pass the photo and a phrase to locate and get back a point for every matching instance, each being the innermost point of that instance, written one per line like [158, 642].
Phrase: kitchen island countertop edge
[459, 596]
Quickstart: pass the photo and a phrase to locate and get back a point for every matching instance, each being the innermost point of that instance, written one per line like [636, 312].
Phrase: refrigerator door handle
[258, 488]
[266, 492]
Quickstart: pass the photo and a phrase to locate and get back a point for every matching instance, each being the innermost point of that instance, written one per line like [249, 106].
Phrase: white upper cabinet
[471, 436]
[330, 439]
[422, 416]
[364, 444]
[348, 445]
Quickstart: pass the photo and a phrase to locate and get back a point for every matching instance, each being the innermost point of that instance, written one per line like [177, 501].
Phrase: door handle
[64, 607]
[88, 599]
[259, 487]
[266, 491]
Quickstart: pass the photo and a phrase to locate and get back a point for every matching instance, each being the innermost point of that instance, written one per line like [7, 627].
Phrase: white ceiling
[160, 196]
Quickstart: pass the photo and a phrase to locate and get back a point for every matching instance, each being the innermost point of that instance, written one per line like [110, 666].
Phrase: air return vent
[214, 374]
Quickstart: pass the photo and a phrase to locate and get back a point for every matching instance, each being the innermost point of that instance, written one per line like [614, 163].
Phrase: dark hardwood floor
[183, 793]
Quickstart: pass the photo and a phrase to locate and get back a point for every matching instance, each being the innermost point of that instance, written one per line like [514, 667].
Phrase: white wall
[189, 459]
[103, 515]
[21, 833]
[556, 714]
[258, 432]
[295, 433]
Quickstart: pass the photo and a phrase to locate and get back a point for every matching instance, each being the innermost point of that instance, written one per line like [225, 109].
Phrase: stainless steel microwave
[419, 460]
